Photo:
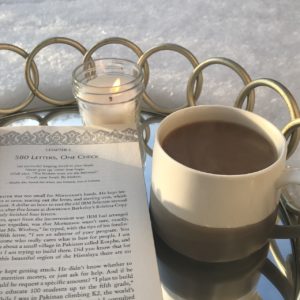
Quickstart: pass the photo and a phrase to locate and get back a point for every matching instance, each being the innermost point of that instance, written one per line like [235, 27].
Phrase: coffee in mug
[216, 178]
[220, 148]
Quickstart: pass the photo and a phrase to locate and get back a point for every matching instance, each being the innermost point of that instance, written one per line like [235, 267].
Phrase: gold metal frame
[241, 72]
[287, 97]
[121, 41]
[186, 53]
[194, 85]
[32, 86]
[35, 74]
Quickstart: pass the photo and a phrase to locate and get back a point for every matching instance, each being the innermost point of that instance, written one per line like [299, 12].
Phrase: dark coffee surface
[220, 148]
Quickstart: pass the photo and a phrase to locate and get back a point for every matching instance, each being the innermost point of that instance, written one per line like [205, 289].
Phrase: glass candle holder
[108, 91]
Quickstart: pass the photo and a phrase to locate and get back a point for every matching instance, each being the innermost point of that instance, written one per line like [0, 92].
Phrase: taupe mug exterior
[217, 218]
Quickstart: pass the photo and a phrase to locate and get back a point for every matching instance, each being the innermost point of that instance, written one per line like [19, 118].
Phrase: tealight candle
[108, 92]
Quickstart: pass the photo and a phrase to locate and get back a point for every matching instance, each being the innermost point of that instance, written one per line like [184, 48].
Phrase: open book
[74, 221]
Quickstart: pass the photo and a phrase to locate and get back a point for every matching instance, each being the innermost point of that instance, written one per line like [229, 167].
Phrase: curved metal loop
[291, 129]
[186, 53]
[35, 74]
[146, 129]
[121, 41]
[241, 72]
[32, 86]
[146, 132]
[24, 116]
[287, 97]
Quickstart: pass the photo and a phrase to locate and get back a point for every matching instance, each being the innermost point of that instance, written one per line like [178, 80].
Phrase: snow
[262, 36]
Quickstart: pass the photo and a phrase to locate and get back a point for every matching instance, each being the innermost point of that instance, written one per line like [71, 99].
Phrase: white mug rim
[280, 155]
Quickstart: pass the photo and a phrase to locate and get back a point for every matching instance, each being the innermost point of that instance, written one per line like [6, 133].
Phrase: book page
[74, 221]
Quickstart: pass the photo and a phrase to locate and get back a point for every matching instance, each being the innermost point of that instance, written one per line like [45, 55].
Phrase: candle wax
[104, 102]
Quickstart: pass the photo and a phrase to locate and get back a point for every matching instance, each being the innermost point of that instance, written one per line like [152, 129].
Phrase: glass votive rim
[114, 67]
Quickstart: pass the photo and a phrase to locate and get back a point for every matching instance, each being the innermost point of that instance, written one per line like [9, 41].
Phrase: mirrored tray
[271, 273]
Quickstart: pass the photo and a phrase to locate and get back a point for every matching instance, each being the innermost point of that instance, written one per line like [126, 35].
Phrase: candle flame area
[116, 85]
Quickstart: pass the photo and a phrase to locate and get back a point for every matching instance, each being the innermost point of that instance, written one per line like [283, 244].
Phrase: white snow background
[261, 35]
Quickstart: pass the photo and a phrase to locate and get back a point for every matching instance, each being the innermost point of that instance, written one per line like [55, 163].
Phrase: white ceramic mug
[211, 217]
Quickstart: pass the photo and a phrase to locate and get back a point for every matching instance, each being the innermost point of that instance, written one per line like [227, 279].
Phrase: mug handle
[290, 176]
[285, 232]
